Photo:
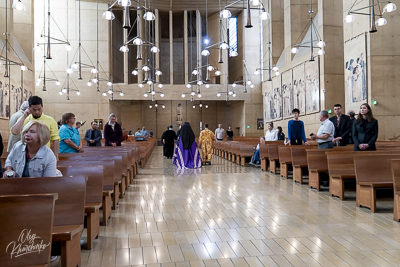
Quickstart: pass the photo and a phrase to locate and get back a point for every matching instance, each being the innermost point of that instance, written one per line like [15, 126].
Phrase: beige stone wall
[134, 114]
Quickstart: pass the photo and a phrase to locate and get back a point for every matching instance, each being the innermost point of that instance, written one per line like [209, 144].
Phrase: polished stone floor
[227, 215]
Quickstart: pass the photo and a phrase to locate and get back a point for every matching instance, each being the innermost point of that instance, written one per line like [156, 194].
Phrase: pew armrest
[65, 232]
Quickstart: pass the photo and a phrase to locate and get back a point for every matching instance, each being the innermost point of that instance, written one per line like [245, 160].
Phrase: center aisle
[227, 215]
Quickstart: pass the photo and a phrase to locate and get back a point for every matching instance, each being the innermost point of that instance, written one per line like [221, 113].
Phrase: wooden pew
[118, 179]
[246, 151]
[372, 172]
[264, 157]
[31, 215]
[273, 154]
[68, 211]
[285, 160]
[396, 188]
[94, 195]
[299, 161]
[108, 181]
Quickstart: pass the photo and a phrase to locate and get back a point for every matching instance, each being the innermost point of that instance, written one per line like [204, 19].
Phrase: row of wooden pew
[368, 170]
[91, 181]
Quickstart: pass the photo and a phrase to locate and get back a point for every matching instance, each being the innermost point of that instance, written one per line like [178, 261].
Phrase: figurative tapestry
[11, 98]
[287, 94]
[273, 101]
[312, 86]
[355, 71]
[299, 89]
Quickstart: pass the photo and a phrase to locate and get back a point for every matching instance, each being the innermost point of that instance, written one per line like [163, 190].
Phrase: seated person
[138, 135]
[151, 134]
[256, 157]
[31, 157]
[130, 133]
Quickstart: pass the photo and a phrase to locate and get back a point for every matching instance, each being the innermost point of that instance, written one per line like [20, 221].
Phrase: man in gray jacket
[93, 135]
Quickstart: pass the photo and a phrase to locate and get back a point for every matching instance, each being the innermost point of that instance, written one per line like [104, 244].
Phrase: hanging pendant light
[126, 18]
[18, 5]
[108, 15]
[124, 3]
[389, 7]
[225, 14]
[149, 16]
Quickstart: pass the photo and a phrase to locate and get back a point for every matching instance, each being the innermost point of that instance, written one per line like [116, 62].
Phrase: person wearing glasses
[70, 138]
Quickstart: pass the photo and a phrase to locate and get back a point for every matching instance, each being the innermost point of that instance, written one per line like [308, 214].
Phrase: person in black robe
[162, 140]
[169, 142]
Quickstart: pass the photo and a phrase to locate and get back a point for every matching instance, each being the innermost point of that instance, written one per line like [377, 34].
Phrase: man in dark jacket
[342, 126]
[93, 135]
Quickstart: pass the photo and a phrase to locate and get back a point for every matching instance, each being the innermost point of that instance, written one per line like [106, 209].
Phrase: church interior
[239, 63]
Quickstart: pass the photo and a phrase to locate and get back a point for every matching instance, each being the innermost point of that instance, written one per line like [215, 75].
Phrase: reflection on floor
[227, 215]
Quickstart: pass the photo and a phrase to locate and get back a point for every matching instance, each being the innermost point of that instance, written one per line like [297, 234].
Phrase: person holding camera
[325, 132]
[31, 157]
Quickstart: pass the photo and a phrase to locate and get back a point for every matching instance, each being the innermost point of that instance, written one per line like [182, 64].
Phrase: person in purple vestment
[186, 152]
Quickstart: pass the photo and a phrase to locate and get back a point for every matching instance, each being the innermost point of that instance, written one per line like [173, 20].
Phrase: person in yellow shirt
[205, 142]
[35, 112]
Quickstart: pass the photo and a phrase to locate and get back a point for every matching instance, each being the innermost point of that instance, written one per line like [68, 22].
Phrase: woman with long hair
[186, 152]
[365, 129]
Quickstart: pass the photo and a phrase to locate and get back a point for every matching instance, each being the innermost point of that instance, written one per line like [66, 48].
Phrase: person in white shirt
[220, 133]
[271, 134]
[325, 132]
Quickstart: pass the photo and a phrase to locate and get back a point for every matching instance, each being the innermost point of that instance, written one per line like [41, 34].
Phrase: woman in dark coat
[113, 132]
[365, 129]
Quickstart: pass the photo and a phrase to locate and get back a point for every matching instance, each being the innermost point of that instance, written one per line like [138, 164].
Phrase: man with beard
[35, 113]
[168, 140]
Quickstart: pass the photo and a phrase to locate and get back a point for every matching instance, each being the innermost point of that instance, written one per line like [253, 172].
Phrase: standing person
[220, 133]
[229, 133]
[169, 142]
[93, 136]
[326, 131]
[1, 153]
[365, 129]
[162, 140]
[296, 134]
[144, 133]
[342, 126]
[113, 132]
[351, 115]
[281, 135]
[186, 153]
[30, 157]
[70, 138]
[78, 125]
[12, 139]
[151, 134]
[35, 112]
[271, 134]
[205, 143]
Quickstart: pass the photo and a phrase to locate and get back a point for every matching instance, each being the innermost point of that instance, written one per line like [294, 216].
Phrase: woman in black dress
[365, 129]
[281, 135]
[229, 133]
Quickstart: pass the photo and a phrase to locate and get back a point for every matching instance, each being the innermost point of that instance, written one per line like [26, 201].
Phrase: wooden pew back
[26, 215]
[95, 175]
[70, 205]
[372, 168]
[396, 175]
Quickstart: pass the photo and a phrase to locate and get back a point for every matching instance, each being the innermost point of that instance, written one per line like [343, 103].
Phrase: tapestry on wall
[355, 71]
[287, 94]
[11, 98]
[312, 86]
[299, 89]
[273, 100]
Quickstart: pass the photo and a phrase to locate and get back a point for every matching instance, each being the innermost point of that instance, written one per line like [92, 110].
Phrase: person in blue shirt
[296, 133]
[70, 138]
[144, 133]
[138, 135]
